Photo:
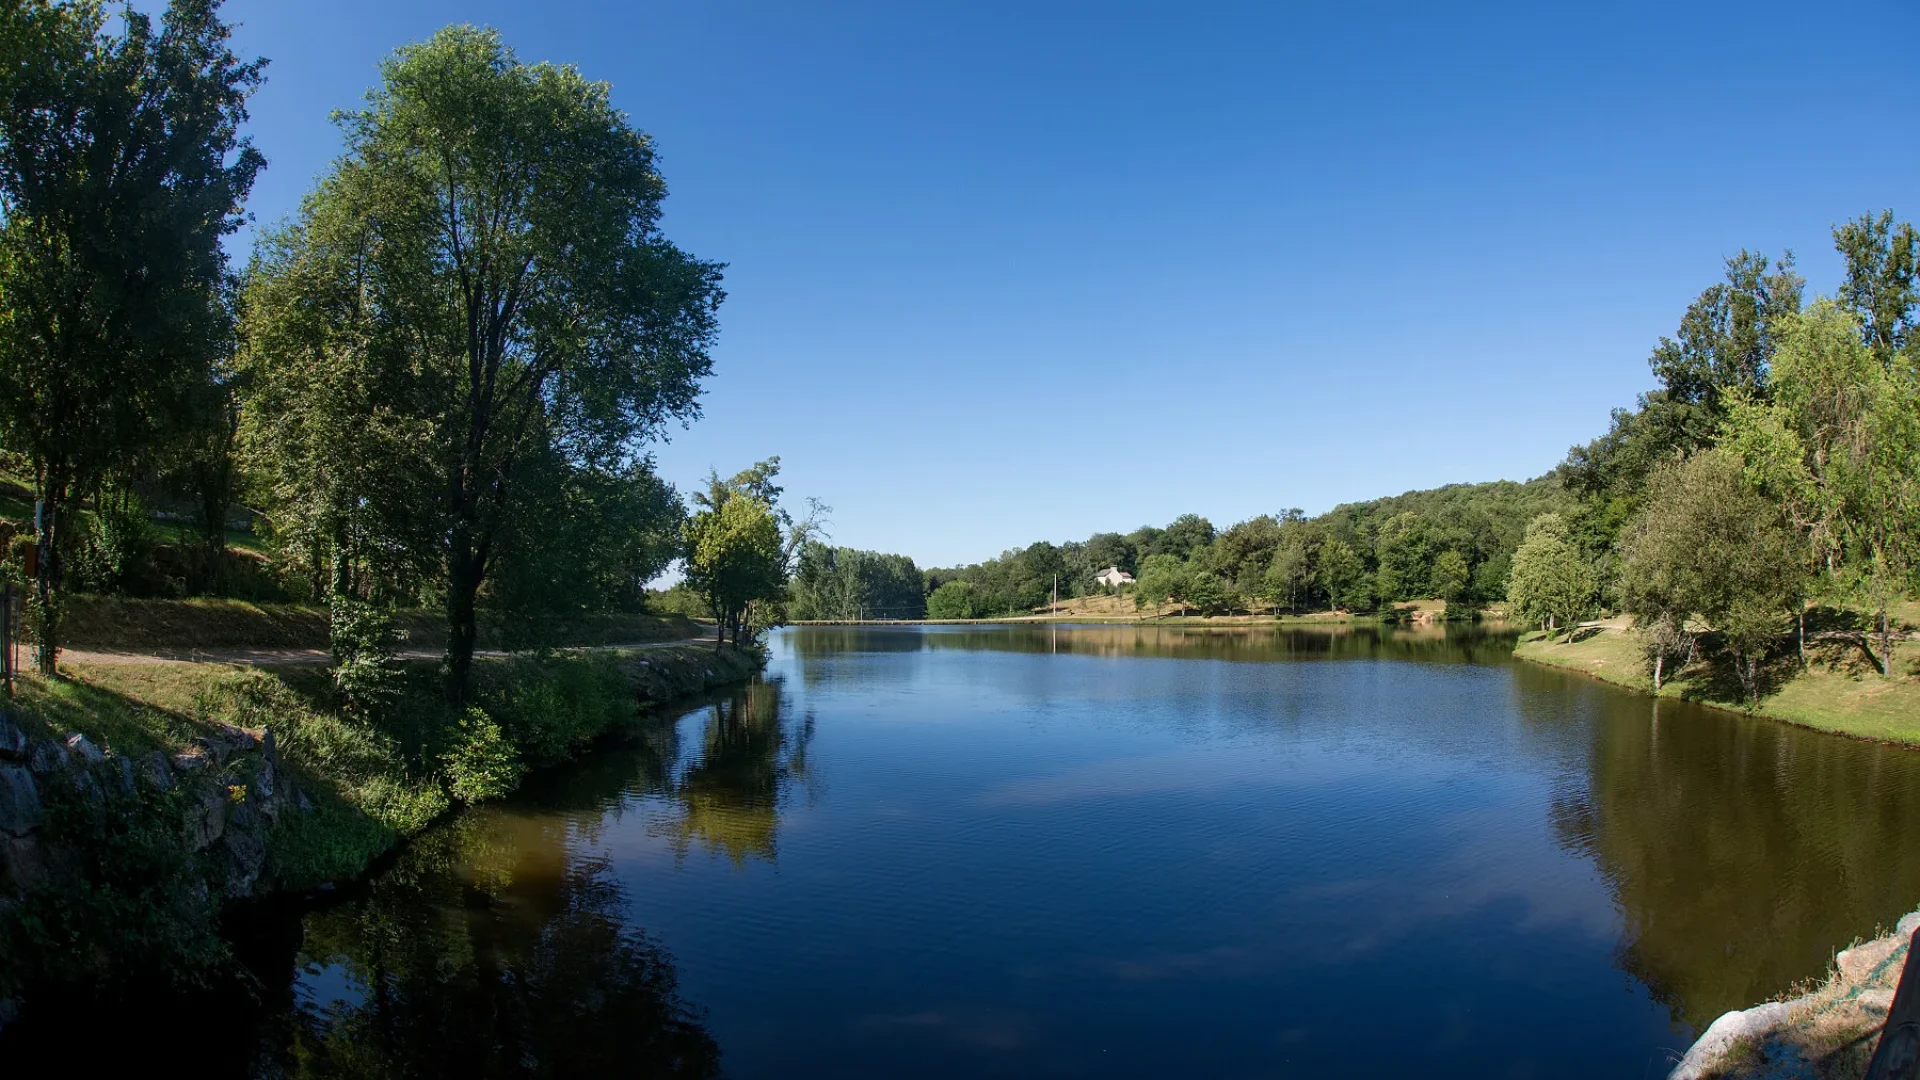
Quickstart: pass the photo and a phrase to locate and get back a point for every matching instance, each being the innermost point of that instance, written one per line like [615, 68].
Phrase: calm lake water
[1103, 851]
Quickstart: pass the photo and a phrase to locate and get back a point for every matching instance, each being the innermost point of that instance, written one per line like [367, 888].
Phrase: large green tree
[121, 168]
[735, 553]
[1552, 582]
[1711, 545]
[1882, 287]
[1836, 448]
[1163, 578]
[492, 232]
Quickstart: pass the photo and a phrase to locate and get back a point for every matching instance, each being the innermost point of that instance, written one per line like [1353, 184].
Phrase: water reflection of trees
[727, 791]
[485, 953]
[1741, 853]
[1435, 643]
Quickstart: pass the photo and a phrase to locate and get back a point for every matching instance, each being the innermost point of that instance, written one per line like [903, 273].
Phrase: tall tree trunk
[1803, 635]
[1886, 644]
[1659, 663]
[463, 589]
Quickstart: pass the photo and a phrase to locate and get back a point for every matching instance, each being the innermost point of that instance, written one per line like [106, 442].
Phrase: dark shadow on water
[483, 954]
[1740, 852]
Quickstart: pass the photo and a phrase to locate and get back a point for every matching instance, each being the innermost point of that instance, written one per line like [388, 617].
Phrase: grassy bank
[375, 775]
[1838, 691]
[115, 624]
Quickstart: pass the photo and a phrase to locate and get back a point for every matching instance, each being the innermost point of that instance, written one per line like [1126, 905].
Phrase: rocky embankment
[229, 784]
[1829, 1034]
[189, 827]
[60, 793]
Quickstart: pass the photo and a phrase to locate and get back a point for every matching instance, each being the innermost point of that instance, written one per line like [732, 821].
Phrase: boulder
[47, 758]
[19, 801]
[1908, 924]
[157, 772]
[194, 759]
[1859, 964]
[13, 741]
[1877, 1000]
[228, 738]
[1753, 1023]
[208, 819]
[24, 860]
[246, 856]
[83, 750]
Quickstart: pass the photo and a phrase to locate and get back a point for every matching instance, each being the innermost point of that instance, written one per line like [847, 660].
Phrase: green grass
[373, 780]
[1839, 691]
[119, 624]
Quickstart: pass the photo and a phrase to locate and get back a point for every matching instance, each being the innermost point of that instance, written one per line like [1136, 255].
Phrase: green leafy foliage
[736, 555]
[481, 763]
[364, 669]
[121, 170]
[843, 583]
[1552, 582]
[551, 706]
[1356, 557]
[1708, 544]
[480, 291]
[952, 600]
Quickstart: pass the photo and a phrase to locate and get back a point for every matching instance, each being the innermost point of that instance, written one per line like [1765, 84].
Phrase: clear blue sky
[1019, 271]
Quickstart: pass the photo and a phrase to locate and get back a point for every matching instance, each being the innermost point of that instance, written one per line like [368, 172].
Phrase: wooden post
[1898, 1055]
[6, 635]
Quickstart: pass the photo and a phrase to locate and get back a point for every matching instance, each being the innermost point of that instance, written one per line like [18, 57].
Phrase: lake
[1117, 851]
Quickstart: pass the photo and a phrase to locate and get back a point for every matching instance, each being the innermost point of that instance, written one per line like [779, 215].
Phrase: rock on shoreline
[1824, 1035]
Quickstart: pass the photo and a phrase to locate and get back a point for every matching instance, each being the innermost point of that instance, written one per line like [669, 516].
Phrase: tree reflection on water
[727, 796]
[482, 954]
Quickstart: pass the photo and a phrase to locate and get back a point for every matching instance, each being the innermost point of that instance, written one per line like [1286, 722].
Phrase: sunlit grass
[1839, 691]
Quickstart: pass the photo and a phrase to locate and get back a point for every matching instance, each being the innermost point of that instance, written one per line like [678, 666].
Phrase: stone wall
[230, 785]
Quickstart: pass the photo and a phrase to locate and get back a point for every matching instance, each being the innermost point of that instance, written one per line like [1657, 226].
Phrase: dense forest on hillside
[1454, 542]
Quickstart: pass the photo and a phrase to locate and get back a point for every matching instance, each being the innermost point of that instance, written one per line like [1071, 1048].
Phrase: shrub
[118, 546]
[551, 706]
[364, 670]
[482, 763]
[953, 600]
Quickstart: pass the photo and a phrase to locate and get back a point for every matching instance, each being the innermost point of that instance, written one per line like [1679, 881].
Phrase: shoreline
[1826, 1032]
[1116, 620]
[1828, 696]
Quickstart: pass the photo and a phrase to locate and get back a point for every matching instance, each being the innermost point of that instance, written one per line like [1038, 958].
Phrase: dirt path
[248, 657]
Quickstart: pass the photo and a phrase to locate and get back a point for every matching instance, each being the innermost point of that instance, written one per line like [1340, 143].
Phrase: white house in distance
[1113, 577]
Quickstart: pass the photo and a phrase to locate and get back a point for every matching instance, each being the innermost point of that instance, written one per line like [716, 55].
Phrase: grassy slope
[1838, 692]
[373, 783]
[113, 624]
